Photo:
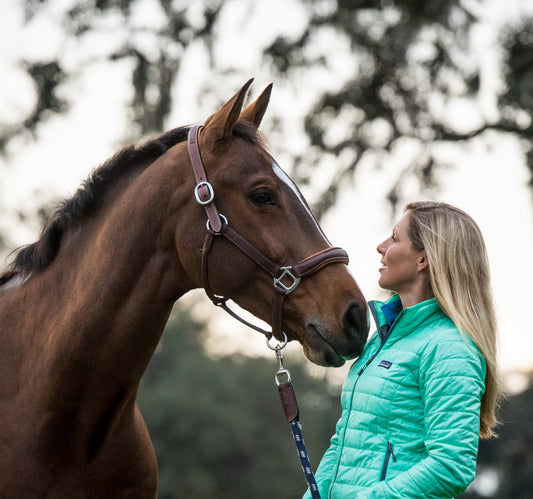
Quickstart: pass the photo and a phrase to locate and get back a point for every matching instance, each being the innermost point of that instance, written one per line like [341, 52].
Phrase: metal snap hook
[281, 373]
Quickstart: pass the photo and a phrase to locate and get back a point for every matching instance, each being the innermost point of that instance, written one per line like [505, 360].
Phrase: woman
[426, 386]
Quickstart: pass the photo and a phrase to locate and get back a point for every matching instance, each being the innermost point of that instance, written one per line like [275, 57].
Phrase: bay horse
[83, 308]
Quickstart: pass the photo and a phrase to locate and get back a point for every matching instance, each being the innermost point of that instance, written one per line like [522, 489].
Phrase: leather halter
[286, 278]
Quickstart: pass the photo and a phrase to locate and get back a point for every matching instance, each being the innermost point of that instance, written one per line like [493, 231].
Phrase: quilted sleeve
[451, 377]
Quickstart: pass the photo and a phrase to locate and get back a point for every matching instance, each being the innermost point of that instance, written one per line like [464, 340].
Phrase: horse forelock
[38, 255]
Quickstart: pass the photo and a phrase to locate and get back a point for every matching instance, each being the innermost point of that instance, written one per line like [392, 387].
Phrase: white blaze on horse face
[287, 180]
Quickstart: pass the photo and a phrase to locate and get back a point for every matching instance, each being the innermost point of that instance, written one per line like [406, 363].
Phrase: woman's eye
[263, 197]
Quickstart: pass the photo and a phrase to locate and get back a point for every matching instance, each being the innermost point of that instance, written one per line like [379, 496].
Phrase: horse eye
[263, 197]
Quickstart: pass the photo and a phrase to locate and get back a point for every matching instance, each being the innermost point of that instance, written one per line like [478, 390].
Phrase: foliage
[517, 102]
[413, 60]
[406, 64]
[217, 424]
[509, 457]
[155, 52]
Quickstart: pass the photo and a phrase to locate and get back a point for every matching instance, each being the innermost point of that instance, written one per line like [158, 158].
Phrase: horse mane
[39, 255]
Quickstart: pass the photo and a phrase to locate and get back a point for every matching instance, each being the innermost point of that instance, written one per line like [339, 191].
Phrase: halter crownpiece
[286, 278]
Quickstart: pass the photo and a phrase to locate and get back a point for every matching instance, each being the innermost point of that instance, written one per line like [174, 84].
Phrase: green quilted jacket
[410, 410]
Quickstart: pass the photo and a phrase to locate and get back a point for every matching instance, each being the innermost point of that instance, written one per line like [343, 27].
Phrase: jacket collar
[389, 316]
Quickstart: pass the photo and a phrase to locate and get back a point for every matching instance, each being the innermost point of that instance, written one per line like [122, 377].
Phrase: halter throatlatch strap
[285, 278]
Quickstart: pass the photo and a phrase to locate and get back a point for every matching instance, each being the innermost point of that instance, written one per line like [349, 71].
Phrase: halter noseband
[286, 278]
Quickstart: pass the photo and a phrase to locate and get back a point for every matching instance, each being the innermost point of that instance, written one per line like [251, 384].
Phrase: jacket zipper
[359, 373]
[388, 455]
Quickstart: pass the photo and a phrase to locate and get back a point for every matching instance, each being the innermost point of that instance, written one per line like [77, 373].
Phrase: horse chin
[319, 351]
[325, 356]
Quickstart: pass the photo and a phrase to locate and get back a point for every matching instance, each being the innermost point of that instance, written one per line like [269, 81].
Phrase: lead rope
[290, 408]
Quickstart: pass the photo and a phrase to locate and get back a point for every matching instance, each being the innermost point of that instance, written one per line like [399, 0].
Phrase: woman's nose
[382, 247]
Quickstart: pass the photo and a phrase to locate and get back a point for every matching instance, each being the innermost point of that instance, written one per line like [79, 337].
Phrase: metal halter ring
[210, 190]
[208, 225]
[280, 346]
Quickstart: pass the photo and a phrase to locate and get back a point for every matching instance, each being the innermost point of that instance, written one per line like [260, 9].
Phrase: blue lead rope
[296, 428]
[290, 407]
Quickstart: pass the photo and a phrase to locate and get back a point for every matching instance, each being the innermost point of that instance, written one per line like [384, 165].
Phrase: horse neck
[104, 301]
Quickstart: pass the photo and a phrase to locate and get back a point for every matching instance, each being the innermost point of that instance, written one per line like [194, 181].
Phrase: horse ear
[256, 110]
[218, 128]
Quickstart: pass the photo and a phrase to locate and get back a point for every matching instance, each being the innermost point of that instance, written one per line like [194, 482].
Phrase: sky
[487, 182]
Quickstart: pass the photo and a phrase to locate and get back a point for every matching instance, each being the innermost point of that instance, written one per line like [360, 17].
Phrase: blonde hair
[460, 281]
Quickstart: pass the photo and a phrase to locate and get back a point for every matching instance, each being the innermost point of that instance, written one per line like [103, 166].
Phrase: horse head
[249, 192]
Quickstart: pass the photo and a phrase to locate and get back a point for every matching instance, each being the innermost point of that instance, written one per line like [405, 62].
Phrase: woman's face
[401, 263]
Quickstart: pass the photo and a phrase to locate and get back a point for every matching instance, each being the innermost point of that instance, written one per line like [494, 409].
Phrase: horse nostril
[352, 318]
[355, 323]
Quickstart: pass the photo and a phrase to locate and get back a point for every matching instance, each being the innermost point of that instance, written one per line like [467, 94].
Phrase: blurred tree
[507, 462]
[217, 424]
[413, 61]
[406, 64]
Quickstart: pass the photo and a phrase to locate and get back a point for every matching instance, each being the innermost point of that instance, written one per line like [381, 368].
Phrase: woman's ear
[422, 261]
